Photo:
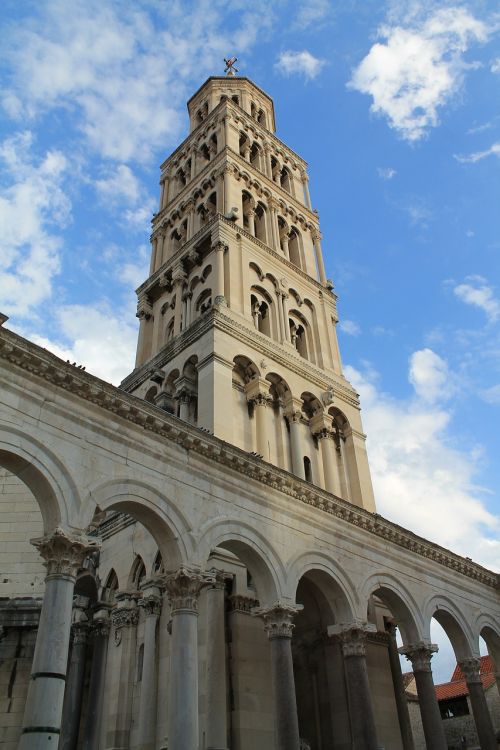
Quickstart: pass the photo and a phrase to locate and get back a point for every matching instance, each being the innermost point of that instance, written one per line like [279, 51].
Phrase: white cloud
[417, 68]
[421, 480]
[491, 395]
[350, 327]
[32, 204]
[477, 292]
[311, 12]
[495, 65]
[429, 375]
[493, 150]
[120, 71]
[386, 173]
[119, 184]
[303, 63]
[96, 336]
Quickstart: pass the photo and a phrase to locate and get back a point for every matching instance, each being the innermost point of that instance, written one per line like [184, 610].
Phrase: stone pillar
[353, 641]
[316, 237]
[227, 189]
[178, 278]
[219, 248]
[324, 438]
[399, 689]
[278, 623]
[284, 297]
[274, 239]
[420, 655]
[470, 668]
[294, 420]
[267, 152]
[151, 605]
[281, 324]
[251, 221]
[305, 182]
[124, 620]
[284, 239]
[183, 589]
[99, 633]
[216, 675]
[144, 313]
[72, 707]
[63, 556]
[260, 402]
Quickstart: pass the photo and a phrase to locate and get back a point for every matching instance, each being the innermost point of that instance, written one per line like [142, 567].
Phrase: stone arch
[252, 548]
[325, 573]
[164, 521]
[110, 587]
[404, 607]
[137, 573]
[44, 475]
[450, 617]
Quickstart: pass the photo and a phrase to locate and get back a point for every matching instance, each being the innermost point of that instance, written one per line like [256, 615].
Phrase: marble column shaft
[364, 736]
[484, 726]
[183, 589]
[279, 627]
[216, 674]
[146, 733]
[73, 694]
[296, 444]
[219, 249]
[63, 555]
[100, 633]
[399, 690]
[420, 656]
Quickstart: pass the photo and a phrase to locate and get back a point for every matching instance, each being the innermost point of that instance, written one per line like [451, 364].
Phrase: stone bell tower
[237, 318]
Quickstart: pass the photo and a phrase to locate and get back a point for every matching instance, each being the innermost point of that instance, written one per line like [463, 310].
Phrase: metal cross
[230, 69]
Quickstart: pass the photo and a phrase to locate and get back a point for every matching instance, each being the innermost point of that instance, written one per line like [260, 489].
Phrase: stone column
[251, 221]
[284, 239]
[284, 297]
[267, 152]
[216, 675]
[72, 707]
[124, 620]
[294, 420]
[470, 668]
[99, 633]
[399, 689]
[219, 248]
[227, 189]
[281, 326]
[353, 641]
[144, 313]
[305, 182]
[63, 556]
[278, 623]
[420, 655]
[260, 403]
[151, 605]
[324, 438]
[178, 278]
[274, 239]
[183, 589]
[316, 237]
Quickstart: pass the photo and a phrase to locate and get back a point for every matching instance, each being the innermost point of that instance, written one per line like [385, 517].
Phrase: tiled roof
[458, 686]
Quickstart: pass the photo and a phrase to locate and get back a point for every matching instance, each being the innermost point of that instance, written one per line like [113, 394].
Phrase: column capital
[278, 619]
[352, 636]
[420, 655]
[219, 246]
[151, 598]
[219, 579]
[64, 553]
[471, 669]
[183, 588]
[100, 622]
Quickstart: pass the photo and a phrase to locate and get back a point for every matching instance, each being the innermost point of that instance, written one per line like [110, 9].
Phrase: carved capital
[79, 633]
[151, 605]
[219, 246]
[126, 615]
[471, 669]
[420, 655]
[219, 579]
[64, 554]
[243, 604]
[352, 637]
[278, 619]
[183, 588]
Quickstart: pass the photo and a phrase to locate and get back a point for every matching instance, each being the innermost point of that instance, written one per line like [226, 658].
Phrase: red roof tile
[459, 687]
[486, 666]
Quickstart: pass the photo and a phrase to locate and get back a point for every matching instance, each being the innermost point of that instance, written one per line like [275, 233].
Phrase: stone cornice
[40, 363]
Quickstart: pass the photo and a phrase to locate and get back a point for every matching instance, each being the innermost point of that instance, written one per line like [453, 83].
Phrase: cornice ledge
[43, 364]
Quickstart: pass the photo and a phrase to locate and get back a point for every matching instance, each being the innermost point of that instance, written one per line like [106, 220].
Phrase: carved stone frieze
[242, 604]
[63, 554]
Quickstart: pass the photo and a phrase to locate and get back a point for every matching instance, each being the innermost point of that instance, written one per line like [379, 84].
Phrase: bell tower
[237, 318]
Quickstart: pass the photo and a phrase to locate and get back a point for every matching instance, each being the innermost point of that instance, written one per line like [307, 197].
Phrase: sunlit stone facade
[206, 568]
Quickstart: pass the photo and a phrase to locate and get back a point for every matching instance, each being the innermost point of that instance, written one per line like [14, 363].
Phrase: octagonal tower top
[242, 91]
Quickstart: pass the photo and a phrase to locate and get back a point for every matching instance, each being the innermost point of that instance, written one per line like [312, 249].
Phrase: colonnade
[53, 678]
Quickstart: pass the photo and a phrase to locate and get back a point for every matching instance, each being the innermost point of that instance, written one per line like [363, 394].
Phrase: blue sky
[396, 108]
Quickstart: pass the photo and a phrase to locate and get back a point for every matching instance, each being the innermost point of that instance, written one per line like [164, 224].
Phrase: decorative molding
[183, 588]
[242, 604]
[420, 655]
[352, 636]
[39, 362]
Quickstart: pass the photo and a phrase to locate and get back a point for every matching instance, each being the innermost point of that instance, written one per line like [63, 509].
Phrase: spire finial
[230, 69]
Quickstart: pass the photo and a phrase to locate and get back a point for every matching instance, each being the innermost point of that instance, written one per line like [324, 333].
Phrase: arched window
[307, 469]
[138, 573]
[260, 223]
[255, 156]
[261, 118]
[158, 563]
[294, 247]
[204, 153]
[204, 302]
[169, 334]
[286, 180]
[110, 588]
[298, 337]
[236, 99]
[213, 145]
[151, 394]
[244, 147]
[260, 315]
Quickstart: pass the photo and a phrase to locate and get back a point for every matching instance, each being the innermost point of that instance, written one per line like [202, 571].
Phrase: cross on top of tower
[230, 70]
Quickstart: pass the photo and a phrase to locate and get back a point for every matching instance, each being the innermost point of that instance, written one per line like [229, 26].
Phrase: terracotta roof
[458, 686]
